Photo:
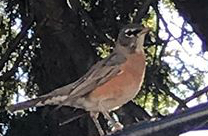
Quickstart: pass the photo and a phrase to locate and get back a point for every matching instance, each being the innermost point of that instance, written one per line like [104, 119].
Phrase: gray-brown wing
[101, 72]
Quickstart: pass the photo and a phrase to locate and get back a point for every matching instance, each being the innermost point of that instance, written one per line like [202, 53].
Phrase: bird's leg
[72, 119]
[94, 116]
[116, 125]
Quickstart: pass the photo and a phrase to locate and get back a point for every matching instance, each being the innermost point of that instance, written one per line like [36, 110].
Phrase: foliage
[166, 84]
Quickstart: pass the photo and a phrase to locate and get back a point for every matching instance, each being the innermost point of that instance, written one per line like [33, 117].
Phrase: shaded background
[56, 43]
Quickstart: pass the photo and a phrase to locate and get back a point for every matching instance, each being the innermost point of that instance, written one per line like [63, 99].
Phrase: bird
[109, 83]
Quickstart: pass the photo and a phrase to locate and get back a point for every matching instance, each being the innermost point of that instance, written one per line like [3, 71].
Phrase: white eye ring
[129, 35]
[131, 30]
[132, 45]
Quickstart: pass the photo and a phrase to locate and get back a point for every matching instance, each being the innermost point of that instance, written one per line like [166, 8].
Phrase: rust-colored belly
[121, 88]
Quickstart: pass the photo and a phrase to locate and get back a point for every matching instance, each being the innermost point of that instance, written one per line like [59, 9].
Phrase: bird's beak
[145, 30]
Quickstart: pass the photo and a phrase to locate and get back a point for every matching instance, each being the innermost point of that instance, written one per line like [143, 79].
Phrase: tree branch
[143, 11]
[172, 95]
[8, 74]
[13, 45]
[76, 6]
[196, 94]
[178, 123]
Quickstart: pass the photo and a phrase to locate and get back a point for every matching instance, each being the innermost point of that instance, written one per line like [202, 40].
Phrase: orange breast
[125, 85]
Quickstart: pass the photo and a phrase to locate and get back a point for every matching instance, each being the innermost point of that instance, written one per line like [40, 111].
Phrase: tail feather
[27, 104]
[40, 101]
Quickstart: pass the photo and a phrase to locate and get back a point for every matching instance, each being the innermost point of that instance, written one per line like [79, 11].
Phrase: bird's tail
[37, 102]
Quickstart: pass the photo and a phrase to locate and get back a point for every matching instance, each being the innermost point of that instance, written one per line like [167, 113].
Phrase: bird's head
[131, 38]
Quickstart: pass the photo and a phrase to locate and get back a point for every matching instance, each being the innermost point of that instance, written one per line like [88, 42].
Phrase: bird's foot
[116, 127]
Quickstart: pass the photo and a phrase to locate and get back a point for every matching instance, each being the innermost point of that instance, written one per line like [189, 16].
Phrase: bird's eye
[131, 32]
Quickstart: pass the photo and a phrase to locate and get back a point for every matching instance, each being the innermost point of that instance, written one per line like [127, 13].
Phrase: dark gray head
[132, 37]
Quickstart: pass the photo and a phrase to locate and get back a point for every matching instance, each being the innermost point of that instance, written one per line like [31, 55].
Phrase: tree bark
[65, 55]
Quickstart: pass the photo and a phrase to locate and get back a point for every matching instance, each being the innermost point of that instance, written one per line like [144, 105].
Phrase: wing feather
[98, 74]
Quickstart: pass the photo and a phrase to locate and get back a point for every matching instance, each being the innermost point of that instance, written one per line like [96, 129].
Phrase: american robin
[109, 83]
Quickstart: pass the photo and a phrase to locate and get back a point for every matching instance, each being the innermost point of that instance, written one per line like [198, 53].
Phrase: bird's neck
[126, 52]
[122, 50]
[140, 43]
[139, 49]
